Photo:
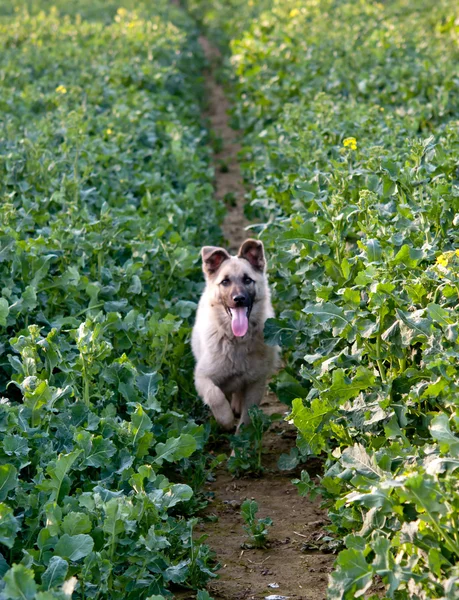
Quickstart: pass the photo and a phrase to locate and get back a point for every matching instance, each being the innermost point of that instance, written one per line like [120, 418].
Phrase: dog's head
[236, 282]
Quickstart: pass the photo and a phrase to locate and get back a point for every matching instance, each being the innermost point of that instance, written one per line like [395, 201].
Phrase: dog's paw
[227, 424]
[224, 416]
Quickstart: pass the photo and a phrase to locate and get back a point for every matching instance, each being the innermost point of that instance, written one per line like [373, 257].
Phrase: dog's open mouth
[239, 320]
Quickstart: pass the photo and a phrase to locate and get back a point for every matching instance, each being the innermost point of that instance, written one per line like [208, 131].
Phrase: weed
[257, 529]
[247, 444]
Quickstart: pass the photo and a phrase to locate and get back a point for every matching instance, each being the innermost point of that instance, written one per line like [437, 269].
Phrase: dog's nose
[239, 299]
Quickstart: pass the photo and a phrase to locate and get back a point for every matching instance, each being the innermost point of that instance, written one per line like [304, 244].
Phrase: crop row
[106, 196]
[349, 112]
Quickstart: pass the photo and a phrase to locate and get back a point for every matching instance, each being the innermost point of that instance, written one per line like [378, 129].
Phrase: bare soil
[229, 185]
[285, 569]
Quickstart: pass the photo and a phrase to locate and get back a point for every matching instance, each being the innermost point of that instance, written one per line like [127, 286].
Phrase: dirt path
[284, 569]
[229, 186]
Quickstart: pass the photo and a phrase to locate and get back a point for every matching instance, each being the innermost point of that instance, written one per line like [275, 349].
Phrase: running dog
[233, 362]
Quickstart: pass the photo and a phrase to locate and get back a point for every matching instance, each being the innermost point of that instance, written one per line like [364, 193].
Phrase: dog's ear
[253, 251]
[212, 258]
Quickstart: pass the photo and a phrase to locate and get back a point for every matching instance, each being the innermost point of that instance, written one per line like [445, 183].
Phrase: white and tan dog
[233, 363]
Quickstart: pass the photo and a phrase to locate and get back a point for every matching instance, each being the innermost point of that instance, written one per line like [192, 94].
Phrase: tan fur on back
[232, 371]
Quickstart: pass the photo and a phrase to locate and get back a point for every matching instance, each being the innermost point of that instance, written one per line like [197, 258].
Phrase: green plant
[257, 529]
[106, 196]
[247, 444]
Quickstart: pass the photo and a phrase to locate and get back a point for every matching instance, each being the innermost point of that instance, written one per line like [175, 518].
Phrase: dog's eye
[225, 282]
[247, 280]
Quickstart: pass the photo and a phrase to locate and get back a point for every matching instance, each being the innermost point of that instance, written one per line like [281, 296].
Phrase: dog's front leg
[253, 396]
[237, 402]
[216, 400]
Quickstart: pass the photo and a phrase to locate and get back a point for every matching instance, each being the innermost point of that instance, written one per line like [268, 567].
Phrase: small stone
[232, 503]
[273, 585]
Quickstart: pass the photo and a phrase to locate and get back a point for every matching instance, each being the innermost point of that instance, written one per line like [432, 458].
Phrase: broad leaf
[8, 480]
[19, 583]
[74, 547]
[55, 574]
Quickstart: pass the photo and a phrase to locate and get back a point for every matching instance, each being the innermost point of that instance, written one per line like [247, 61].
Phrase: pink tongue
[239, 321]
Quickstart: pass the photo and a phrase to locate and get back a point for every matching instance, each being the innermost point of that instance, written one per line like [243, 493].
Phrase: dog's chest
[237, 364]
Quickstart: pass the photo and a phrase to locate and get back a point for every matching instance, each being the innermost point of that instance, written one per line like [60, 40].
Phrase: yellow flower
[456, 252]
[294, 13]
[351, 143]
[122, 12]
[442, 260]
[109, 131]
[61, 89]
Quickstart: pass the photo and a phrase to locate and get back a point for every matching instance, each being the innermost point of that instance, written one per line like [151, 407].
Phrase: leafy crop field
[106, 197]
[350, 118]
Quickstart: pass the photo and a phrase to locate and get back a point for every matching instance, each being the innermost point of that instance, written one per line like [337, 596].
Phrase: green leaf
[4, 566]
[326, 312]
[203, 595]
[310, 421]
[355, 542]
[383, 562]
[175, 449]
[249, 509]
[117, 512]
[9, 525]
[421, 490]
[351, 296]
[20, 584]
[437, 561]
[29, 298]
[8, 479]
[375, 498]
[441, 432]
[345, 268]
[412, 326]
[407, 256]
[305, 485]
[280, 332]
[288, 462]
[287, 391]
[374, 251]
[141, 422]
[148, 384]
[439, 315]
[179, 492]
[136, 285]
[15, 444]
[58, 471]
[75, 523]
[101, 451]
[352, 577]
[37, 397]
[55, 574]
[74, 547]
[4, 311]
[177, 573]
[356, 458]
[366, 276]
[343, 388]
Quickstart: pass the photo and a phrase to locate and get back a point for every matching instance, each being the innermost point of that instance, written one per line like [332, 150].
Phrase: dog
[233, 362]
